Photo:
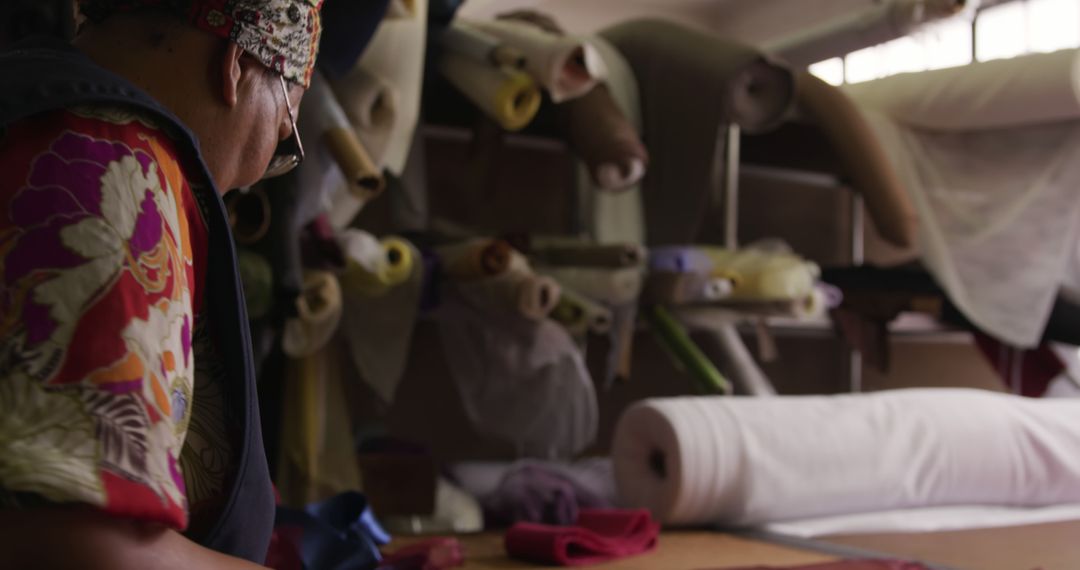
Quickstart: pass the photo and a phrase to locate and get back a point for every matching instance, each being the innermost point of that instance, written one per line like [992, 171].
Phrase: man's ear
[231, 73]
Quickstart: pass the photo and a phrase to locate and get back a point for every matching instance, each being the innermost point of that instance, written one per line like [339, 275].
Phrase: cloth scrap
[600, 535]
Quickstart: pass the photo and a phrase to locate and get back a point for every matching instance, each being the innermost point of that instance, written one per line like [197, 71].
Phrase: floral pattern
[97, 304]
[282, 34]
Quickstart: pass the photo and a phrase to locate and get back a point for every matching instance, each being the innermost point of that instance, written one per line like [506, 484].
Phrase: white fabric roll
[1026, 90]
[998, 217]
[749, 461]
[370, 103]
[874, 25]
[396, 54]
[567, 67]
[318, 311]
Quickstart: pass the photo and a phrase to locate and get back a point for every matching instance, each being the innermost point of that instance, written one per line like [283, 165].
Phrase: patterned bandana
[283, 34]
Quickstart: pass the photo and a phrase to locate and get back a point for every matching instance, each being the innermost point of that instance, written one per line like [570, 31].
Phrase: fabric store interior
[670, 284]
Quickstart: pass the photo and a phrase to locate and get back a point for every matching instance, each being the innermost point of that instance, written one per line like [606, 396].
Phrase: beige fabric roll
[862, 155]
[692, 85]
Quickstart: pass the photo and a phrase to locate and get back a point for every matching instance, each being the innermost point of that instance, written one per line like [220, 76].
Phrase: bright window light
[1001, 32]
[1053, 24]
[947, 43]
[830, 71]
[864, 65]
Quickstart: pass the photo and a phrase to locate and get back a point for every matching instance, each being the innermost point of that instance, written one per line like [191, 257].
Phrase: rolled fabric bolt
[568, 68]
[363, 177]
[475, 259]
[685, 287]
[744, 461]
[371, 105]
[258, 280]
[580, 314]
[590, 255]
[318, 310]
[466, 40]
[612, 286]
[610, 176]
[249, 214]
[374, 267]
[530, 295]
[760, 275]
[508, 96]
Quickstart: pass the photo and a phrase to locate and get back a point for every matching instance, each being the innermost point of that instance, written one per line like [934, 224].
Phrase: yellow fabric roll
[374, 267]
[510, 97]
[318, 313]
[760, 275]
[317, 460]
[567, 67]
[324, 111]
[580, 314]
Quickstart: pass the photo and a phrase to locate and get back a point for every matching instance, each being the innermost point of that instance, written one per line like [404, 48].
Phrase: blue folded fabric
[340, 533]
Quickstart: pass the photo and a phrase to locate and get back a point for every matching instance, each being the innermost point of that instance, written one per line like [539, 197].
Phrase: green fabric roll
[258, 280]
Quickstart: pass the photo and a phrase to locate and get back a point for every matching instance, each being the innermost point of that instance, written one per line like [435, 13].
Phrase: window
[1005, 30]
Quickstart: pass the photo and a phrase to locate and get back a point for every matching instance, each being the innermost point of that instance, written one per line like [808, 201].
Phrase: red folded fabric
[600, 535]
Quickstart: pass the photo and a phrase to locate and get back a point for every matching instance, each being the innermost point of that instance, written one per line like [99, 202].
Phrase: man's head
[219, 65]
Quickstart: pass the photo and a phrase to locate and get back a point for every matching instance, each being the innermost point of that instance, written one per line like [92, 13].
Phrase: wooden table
[676, 551]
[1052, 546]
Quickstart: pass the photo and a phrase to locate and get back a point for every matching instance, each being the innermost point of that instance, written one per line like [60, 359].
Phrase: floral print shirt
[101, 252]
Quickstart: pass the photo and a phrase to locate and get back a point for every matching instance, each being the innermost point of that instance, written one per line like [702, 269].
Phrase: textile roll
[258, 279]
[396, 55]
[685, 288]
[587, 254]
[377, 329]
[375, 266]
[568, 68]
[763, 275]
[466, 40]
[611, 286]
[615, 176]
[1022, 91]
[875, 25]
[692, 84]
[370, 103]
[318, 311]
[475, 259]
[862, 156]
[580, 315]
[509, 97]
[532, 296]
[743, 461]
[249, 214]
[361, 174]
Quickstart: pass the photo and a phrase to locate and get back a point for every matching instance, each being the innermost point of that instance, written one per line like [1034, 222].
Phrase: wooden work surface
[1050, 546]
[676, 551]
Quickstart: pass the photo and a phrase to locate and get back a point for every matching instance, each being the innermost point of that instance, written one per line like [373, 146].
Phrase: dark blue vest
[50, 75]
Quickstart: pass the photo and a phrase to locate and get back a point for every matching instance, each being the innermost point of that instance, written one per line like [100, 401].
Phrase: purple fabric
[533, 493]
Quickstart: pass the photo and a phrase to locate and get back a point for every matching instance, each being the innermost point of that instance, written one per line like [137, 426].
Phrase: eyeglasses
[290, 152]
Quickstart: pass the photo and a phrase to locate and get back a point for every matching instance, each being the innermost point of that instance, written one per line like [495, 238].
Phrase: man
[129, 427]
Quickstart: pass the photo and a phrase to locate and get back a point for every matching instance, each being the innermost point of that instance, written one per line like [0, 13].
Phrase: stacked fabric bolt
[501, 66]
[763, 280]
[520, 375]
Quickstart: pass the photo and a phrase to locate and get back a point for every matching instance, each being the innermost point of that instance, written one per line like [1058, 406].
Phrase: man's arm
[85, 538]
